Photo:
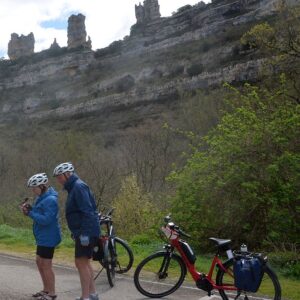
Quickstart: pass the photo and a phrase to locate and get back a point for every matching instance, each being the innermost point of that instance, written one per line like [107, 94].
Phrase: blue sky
[56, 23]
[105, 22]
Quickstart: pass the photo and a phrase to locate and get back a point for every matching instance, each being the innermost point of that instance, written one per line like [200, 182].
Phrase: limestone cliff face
[195, 48]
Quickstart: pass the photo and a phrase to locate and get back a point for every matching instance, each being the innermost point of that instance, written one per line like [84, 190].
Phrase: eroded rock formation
[54, 45]
[19, 46]
[136, 78]
[77, 32]
[147, 12]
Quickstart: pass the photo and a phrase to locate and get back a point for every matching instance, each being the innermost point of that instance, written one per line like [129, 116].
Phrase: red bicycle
[163, 272]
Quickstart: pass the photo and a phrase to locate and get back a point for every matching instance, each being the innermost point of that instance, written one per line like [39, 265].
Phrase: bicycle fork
[163, 271]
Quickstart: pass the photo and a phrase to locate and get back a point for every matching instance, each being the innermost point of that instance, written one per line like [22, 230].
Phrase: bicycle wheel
[159, 275]
[268, 290]
[110, 263]
[124, 256]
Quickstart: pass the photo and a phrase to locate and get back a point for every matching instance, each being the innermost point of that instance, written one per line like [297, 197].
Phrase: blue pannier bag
[248, 272]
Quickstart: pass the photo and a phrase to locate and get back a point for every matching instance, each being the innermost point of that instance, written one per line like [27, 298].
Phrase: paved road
[19, 278]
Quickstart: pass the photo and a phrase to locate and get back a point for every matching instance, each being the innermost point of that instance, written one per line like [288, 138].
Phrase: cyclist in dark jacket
[81, 210]
[83, 222]
[46, 230]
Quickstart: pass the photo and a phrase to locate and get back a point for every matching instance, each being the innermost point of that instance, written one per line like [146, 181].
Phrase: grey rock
[147, 12]
[137, 72]
[54, 45]
[77, 32]
[19, 46]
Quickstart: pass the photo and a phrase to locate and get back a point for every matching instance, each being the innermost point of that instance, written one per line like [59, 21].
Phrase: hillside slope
[134, 79]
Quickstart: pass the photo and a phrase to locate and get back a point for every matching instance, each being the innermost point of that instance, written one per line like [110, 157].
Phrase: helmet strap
[66, 177]
[43, 188]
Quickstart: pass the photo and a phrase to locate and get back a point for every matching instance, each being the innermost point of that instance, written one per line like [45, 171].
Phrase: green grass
[20, 242]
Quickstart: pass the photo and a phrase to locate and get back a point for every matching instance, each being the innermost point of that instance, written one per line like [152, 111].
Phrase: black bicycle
[113, 253]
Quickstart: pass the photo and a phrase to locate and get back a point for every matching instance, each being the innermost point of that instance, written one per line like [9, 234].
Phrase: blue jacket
[44, 214]
[81, 210]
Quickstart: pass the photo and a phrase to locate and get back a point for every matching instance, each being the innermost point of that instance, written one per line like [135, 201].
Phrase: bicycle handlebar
[184, 234]
[110, 212]
[175, 227]
[106, 217]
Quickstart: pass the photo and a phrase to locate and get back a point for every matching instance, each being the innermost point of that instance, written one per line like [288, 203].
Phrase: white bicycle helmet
[63, 168]
[37, 180]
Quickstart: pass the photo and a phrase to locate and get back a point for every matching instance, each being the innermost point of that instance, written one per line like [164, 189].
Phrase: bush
[292, 270]
[288, 262]
[176, 70]
[54, 103]
[242, 180]
[283, 259]
[113, 49]
[10, 214]
[137, 28]
[124, 84]
[141, 239]
[205, 46]
[183, 8]
[134, 213]
[195, 69]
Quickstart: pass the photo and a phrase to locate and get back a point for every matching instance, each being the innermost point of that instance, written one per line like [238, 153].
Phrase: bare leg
[84, 269]
[48, 275]
[92, 282]
[41, 271]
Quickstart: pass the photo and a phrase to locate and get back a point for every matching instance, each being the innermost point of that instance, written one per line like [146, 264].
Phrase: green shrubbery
[242, 180]
[287, 262]
[195, 69]
[113, 49]
[141, 239]
[12, 215]
[183, 9]
[135, 214]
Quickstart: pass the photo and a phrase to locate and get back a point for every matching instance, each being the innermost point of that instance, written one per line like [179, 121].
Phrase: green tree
[279, 43]
[134, 212]
[243, 180]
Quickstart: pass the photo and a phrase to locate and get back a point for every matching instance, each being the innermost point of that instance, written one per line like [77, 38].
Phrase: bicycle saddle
[220, 242]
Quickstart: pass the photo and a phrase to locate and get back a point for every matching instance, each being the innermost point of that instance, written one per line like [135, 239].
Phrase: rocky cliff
[197, 47]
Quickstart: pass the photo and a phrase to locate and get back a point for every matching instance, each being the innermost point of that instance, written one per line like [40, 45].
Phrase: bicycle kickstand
[98, 274]
[238, 295]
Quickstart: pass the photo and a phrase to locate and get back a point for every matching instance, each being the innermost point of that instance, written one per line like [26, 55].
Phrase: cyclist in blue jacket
[83, 222]
[46, 230]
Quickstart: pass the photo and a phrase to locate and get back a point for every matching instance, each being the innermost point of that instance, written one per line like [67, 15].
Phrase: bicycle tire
[269, 289]
[110, 263]
[165, 267]
[124, 256]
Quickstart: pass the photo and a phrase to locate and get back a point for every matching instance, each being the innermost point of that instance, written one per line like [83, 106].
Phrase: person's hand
[84, 240]
[26, 208]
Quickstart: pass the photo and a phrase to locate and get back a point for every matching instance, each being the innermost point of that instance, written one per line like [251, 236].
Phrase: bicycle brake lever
[171, 225]
[184, 234]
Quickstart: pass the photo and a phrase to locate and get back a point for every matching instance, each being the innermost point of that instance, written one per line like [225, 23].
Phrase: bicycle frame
[109, 230]
[107, 238]
[197, 275]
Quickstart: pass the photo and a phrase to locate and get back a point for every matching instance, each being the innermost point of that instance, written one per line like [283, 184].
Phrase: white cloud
[106, 21]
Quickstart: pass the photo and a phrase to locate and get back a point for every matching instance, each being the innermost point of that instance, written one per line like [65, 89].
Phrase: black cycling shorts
[85, 251]
[45, 252]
